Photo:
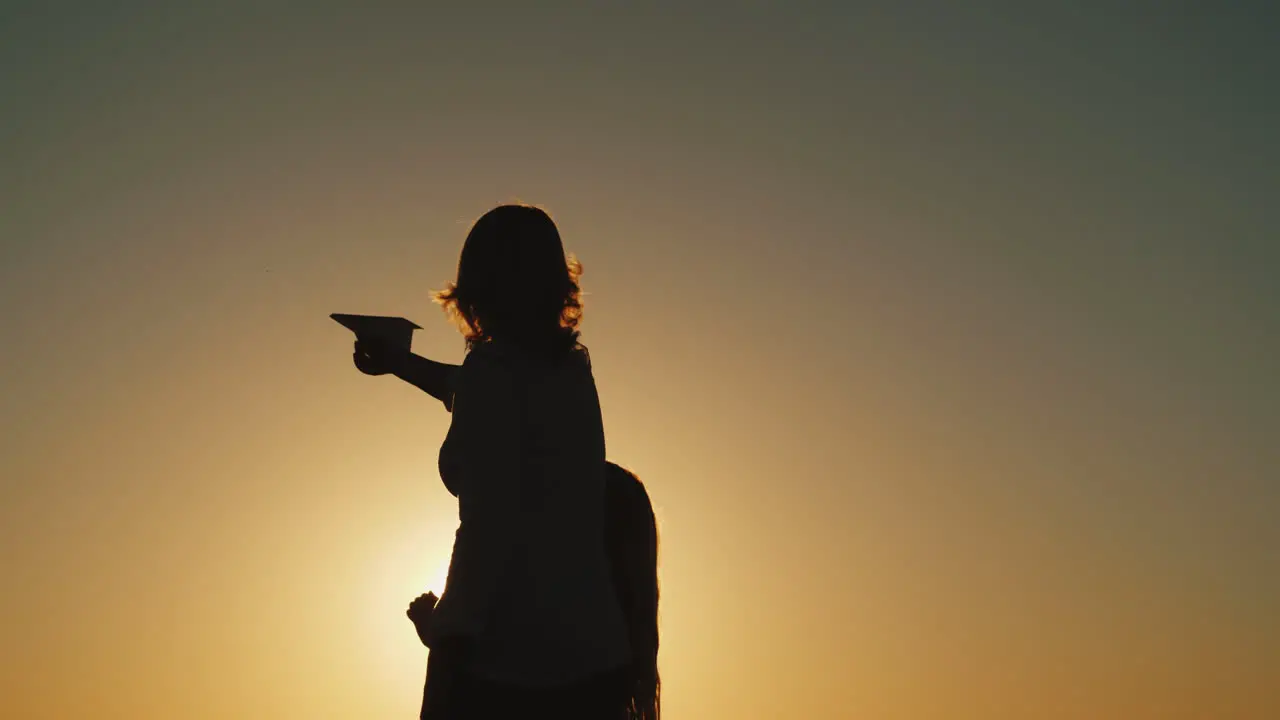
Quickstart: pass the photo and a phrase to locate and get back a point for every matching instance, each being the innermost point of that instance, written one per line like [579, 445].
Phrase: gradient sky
[946, 337]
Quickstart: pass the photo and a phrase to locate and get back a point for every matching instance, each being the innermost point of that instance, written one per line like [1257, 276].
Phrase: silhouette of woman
[631, 540]
[529, 622]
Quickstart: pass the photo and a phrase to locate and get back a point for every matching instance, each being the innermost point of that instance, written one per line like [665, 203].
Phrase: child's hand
[420, 613]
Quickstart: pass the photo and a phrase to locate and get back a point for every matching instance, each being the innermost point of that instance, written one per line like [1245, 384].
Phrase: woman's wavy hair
[631, 539]
[515, 282]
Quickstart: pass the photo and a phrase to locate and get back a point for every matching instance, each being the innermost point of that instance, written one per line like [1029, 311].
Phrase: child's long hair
[632, 543]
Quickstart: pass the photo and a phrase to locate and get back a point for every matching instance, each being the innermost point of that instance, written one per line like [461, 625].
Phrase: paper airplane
[394, 330]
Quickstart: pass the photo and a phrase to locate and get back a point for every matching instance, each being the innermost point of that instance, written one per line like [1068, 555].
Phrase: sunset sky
[946, 337]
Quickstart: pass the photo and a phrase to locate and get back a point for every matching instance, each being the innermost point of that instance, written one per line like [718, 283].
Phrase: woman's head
[514, 281]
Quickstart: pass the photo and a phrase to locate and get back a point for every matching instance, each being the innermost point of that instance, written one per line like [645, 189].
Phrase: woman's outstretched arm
[434, 378]
[437, 379]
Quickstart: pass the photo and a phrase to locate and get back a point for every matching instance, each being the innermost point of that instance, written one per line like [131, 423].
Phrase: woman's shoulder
[498, 355]
[486, 368]
[491, 352]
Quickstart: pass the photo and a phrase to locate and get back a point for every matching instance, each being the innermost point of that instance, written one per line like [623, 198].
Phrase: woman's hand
[420, 613]
[374, 357]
